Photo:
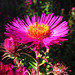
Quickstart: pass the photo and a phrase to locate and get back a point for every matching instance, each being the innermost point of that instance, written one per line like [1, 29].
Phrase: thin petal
[57, 22]
[53, 20]
[48, 18]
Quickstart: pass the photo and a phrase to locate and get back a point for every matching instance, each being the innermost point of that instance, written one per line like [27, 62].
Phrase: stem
[43, 69]
[18, 63]
[37, 61]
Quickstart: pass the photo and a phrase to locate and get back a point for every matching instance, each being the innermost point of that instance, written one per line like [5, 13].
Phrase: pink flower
[62, 9]
[60, 69]
[11, 48]
[45, 30]
[6, 69]
[28, 2]
[10, 45]
[73, 8]
[20, 71]
[9, 70]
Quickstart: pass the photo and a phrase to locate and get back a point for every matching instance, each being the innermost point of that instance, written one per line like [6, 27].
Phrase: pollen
[38, 31]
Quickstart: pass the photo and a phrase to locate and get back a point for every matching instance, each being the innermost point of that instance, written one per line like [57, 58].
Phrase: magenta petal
[19, 29]
[33, 19]
[38, 19]
[27, 19]
[41, 20]
[57, 22]
[48, 18]
[44, 17]
[53, 20]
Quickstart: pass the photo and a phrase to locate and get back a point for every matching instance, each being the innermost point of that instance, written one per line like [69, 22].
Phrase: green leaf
[33, 66]
[43, 61]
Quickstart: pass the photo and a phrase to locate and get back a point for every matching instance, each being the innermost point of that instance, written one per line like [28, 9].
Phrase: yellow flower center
[38, 31]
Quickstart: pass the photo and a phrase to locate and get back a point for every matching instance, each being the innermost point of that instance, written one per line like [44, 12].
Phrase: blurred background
[10, 9]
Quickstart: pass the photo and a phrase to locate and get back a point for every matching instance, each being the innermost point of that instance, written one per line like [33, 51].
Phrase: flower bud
[10, 45]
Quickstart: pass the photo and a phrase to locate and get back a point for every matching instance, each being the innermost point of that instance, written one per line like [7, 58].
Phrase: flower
[73, 12]
[73, 8]
[9, 70]
[11, 48]
[20, 71]
[6, 69]
[62, 9]
[10, 45]
[60, 69]
[28, 2]
[45, 30]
